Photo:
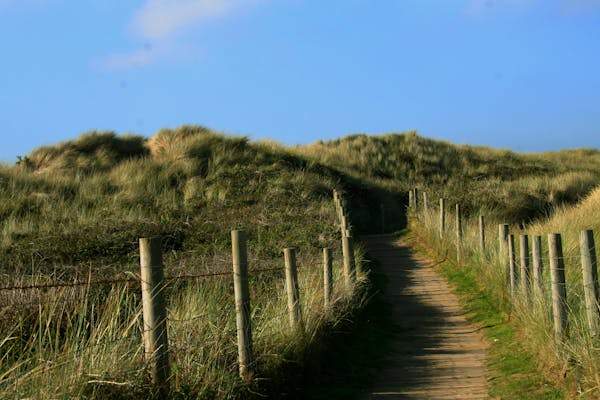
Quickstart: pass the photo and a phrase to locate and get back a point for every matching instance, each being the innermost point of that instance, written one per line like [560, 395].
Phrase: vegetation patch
[514, 372]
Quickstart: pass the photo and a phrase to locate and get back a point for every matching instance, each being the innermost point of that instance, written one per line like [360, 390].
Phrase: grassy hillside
[512, 186]
[74, 211]
[87, 201]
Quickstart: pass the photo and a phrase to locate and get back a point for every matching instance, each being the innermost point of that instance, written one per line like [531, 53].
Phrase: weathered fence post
[559, 289]
[481, 233]
[513, 274]
[341, 210]
[411, 196]
[538, 267]
[348, 255]
[503, 231]
[459, 232]
[442, 217]
[242, 304]
[590, 279]
[327, 277]
[291, 286]
[416, 199]
[156, 340]
[425, 203]
[525, 266]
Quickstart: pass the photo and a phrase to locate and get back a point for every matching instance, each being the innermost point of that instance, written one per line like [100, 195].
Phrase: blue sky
[522, 74]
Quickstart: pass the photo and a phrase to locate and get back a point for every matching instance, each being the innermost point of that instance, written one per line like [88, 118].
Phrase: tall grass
[512, 186]
[75, 211]
[85, 342]
[572, 363]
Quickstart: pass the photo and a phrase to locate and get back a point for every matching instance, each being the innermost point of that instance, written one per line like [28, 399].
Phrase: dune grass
[75, 211]
[571, 364]
[512, 186]
[86, 342]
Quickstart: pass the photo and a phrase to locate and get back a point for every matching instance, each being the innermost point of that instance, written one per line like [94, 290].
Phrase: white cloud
[159, 19]
[160, 23]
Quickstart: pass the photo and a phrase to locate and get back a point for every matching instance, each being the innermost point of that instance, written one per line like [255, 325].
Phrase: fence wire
[129, 280]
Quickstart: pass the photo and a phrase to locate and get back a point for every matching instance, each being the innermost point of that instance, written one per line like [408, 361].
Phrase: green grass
[353, 353]
[75, 210]
[509, 185]
[572, 364]
[513, 369]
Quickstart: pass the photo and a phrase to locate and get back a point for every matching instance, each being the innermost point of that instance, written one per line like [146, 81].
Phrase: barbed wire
[128, 280]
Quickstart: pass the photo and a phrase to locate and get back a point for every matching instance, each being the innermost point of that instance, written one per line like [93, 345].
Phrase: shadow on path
[435, 353]
[411, 341]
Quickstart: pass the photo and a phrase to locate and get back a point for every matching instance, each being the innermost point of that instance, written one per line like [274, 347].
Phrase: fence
[153, 282]
[525, 269]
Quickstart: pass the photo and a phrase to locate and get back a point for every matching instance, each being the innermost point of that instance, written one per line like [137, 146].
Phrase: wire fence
[541, 273]
[148, 316]
[102, 282]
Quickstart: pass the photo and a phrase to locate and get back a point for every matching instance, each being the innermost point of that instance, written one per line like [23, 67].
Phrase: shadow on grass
[349, 357]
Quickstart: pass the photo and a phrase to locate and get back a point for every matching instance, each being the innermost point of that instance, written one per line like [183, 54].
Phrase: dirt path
[436, 352]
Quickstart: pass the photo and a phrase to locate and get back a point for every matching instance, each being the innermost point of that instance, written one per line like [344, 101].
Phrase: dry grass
[509, 185]
[76, 210]
[573, 363]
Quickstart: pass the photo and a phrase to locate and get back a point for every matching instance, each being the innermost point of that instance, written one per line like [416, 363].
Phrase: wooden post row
[525, 272]
[156, 340]
[558, 284]
[442, 217]
[292, 289]
[513, 273]
[590, 280]
[538, 267]
[327, 277]
[459, 232]
[503, 232]
[348, 255]
[481, 233]
[242, 305]
[416, 199]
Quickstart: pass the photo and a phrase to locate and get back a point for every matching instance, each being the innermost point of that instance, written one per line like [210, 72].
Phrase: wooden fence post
[442, 217]
[559, 288]
[459, 232]
[327, 277]
[416, 199]
[513, 274]
[242, 304]
[411, 200]
[503, 231]
[525, 266]
[538, 267]
[156, 340]
[348, 254]
[590, 279]
[291, 286]
[425, 203]
[481, 233]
